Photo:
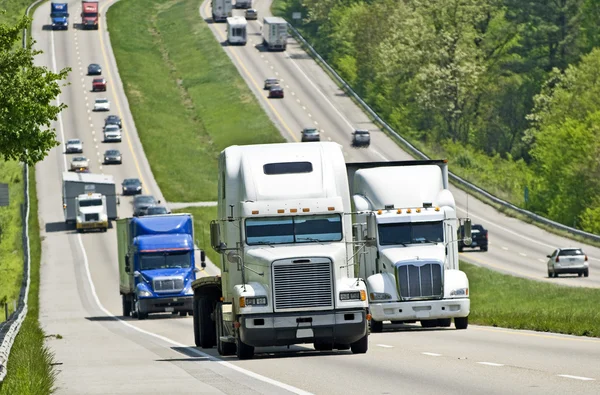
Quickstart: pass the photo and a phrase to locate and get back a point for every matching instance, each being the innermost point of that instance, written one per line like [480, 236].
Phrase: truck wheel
[206, 326]
[182, 313]
[461, 322]
[140, 315]
[460, 249]
[243, 350]
[321, 346]
[360, 346]
[376, 326]
[126, 306]
[224, 348]
[445, 322]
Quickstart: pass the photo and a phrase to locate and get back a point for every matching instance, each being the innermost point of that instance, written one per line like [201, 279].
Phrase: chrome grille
[420, 281]
[303, 285]
[168, 285]
[92, 217]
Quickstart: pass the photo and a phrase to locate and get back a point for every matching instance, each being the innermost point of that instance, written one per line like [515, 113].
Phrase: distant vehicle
[269, 82]
[99, 84]
[131, 186]
[113, 120]
[112, 133]
[276, 91]
[479, 237]
[80, 162]
[89, 200]
[89, 14]
[59, 12]
[568, 260]
[275, 33]
[94, 69]
[221, 9]
[361, 138]
[113, 156]
[243, 4]
[156, 210]
[310, 134]
[251, 14]
[102, 104]
[74, 146]
[236, 30]
[141, 203]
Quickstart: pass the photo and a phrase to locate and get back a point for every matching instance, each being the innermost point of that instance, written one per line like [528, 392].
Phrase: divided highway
[100, 352]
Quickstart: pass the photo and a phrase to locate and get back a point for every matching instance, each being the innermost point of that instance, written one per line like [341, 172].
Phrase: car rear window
[571, 252]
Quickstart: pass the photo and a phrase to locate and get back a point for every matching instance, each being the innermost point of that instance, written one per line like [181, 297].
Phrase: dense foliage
[513, 79]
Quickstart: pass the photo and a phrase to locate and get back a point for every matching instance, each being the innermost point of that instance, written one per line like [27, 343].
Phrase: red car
[276, 91]
[98, 84]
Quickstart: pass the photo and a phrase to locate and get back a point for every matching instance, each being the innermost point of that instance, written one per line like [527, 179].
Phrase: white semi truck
[285, 239]
[275, 33]
[221, 10]
[89, 200]
[406, 234]
[236, 30]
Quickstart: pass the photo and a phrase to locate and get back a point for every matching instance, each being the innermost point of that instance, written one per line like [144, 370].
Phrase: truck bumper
[282, 329]
[92, 225]
[420, 310]
[166, 305]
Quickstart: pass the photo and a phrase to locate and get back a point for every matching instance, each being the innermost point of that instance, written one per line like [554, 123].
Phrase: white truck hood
[266, 254]
[412, 252]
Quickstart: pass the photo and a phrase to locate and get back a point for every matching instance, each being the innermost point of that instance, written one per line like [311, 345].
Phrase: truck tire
[126, 306]
[360, 346]
[461, 322]
[586, 273]
[140, 315]
[243, 350]
[206, 326]
[376, 326]
[196, 323]
[224, 348]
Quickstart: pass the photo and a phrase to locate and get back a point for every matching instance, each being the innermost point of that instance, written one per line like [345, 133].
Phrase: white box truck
[406, 230]
[284, 234]
[89, 200]
[236, 30]
[275, 33]
[221, 10]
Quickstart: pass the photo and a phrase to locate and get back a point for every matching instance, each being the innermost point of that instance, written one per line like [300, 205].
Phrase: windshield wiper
[264, 243]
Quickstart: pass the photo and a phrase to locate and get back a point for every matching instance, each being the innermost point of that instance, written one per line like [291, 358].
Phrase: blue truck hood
[59, 19]
[164, 242]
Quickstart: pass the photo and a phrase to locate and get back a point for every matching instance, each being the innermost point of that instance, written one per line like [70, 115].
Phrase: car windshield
[112, 153]
[165, 260]
[79, 159]
[571, 252]
[310, 131]
[146, 200]
[74, 141]
[111, 127]
[131, 181]
[298, 229]
[362, 132]
[101, 101]
[411, 233]
[90, 203]
[98, 80]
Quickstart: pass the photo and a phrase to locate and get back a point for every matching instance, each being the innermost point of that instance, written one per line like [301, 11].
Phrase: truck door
[450, 238]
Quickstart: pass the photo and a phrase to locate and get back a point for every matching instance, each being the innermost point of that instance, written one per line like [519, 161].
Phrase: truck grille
[92, 217]
[303, 285]
[168, 285]
[420, 282]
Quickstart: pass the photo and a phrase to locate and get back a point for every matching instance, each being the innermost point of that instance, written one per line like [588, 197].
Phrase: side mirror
[136, 274]
[371, 229]
[202, 258]
[548, 256]
[466, 233]
[215, 236]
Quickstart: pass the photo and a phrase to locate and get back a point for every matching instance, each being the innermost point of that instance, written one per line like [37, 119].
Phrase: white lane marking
[329, 138]
[542, 260]
[93, 132]
[522, 254]
[505, 248]
[316, 123]
[568, 376]
[294, 94]
[384, 346]
[298, 100]
[490, 363]
[309, 115]
[60, 121]
[276, 73]
[431, 354]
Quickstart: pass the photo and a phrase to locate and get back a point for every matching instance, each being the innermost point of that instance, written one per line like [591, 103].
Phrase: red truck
[89, 14]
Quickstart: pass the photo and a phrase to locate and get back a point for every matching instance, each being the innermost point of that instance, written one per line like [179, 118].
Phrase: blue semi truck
[156, 264]
[59, 12]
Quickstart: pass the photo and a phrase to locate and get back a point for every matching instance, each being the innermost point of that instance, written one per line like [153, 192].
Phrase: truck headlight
[379, 296]
[144, 294]
[189, 291]
[253, 301]
[460, 292]
[353, 295]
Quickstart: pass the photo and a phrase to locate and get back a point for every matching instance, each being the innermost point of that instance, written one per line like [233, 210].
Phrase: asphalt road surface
[98, 351]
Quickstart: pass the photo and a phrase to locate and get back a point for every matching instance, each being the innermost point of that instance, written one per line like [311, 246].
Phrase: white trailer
[284, 235]
[236, 30]
[221, 9]
[406, 230]
[275, 33]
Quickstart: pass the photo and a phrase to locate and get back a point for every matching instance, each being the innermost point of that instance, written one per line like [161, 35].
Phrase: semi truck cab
[91, 212]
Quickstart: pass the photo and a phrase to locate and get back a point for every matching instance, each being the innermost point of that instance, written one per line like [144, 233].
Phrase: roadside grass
[30, 370]
[512, 302]
[202, 218]
[15, 9]
[186, 97]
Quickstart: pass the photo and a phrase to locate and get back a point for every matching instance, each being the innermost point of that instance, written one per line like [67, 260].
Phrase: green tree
[26, 95]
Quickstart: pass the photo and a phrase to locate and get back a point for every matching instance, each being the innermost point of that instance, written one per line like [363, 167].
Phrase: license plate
[304, 332]
[169, 309]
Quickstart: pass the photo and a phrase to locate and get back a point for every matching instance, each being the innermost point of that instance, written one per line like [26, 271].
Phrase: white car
[74, 145]
[112, 133]
[568, 260]
[102, 104]
[80, 162]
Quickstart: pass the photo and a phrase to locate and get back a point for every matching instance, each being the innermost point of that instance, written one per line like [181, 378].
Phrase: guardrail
[10, 328]
[420, 155]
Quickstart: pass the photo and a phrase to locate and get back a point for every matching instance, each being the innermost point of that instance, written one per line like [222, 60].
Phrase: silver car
[80, 162]
[101, 104]
[112, 133]
[74, 145]
[568, 260]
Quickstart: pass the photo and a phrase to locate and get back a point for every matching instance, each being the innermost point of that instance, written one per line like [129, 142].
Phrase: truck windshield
[90, 203]
[298, 229]
[90, 14]
[165, 260]
[411, 233]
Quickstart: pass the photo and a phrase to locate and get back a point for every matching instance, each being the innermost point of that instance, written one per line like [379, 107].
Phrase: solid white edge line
[384, 346]
[431, 354]
[568, 376]
[490, 363]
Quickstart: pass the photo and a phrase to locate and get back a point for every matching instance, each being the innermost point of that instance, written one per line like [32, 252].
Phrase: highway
[98, 351]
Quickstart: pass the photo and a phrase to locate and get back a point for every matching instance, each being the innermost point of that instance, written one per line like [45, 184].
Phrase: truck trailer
[284, 235]
[236, 30]
[90, 14]
[221, 10]
[406, 234]
[156, 264]
[59, 13]
[89, 200]
[275, 33]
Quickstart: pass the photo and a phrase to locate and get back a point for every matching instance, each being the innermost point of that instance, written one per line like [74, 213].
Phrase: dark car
[94, 69]
[156, 210]
[98, 84]
[113, 156]
[141, 203]
[310, 134]
[132, 186]
[276, 91]
[361, 138]
[113, 120]
[479, 237]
